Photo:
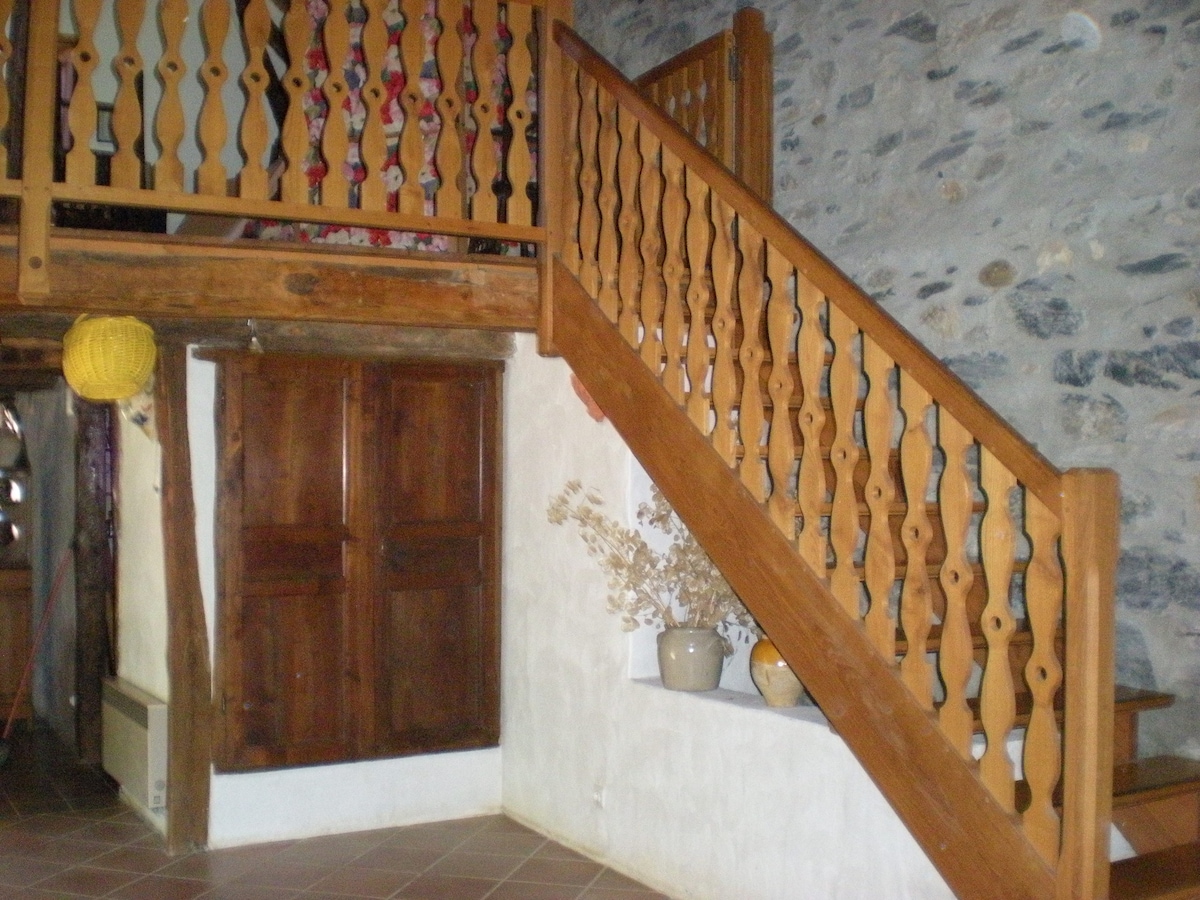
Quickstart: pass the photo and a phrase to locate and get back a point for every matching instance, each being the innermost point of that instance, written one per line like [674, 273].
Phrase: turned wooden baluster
[81, 161]
[293, 137]
[998, 706]
[127, 109]
[650, 192]
[675, 273]
[168, 122]
[411, 197]
[606, 249]
[629, 222]
[520, 73]
[484, 206]
[213, 128]
[573, 177]
[450, 103]
[750, 355]
[955, 497]
[724, 329]
[335, 138]
[6, 50]
[844, 527]
[879, 417]
[916, 600]
[373, 143]
[1042, 760]
[256, 25]
[781, 447]
[810, 362]
[699, 296]
[589, 186]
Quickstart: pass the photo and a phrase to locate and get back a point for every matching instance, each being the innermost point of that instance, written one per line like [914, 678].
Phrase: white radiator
[134, 743]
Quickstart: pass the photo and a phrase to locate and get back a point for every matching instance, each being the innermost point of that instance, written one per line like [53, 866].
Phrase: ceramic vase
[772, 675]
[690, 659]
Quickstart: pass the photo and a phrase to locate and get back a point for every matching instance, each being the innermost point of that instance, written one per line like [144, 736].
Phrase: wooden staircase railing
[852, 489]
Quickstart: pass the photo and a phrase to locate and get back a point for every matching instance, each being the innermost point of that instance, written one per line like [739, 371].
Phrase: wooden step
[1156, 802]
[1171, 874]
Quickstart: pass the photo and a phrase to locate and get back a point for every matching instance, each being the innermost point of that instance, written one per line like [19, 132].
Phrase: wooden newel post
[37, 176]
[1090, 547]
[551, 159]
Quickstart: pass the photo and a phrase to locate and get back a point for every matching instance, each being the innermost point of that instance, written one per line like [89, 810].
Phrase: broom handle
[37, 641]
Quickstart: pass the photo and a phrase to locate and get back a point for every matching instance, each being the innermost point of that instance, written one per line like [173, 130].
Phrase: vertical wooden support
[81, 117]
[213, 129]
[33, 275]
[168, 123]
[916, 600]
[810, 362]
[485, 15]
[699, 296]
[879, 416]
[751, 281]
[754, 119]
[653, 294]
[127, 110]
[519, 165]
[256, 22]
[449, 152]
[189, 737]
[724, 329]
[607, 199]
[373, 143]
[412, 144]
[629, 225]
[781, 447]
[675, 273]
[844, 527]
[558, 129]
[1090, 538]
[335, 139]
[293, 133]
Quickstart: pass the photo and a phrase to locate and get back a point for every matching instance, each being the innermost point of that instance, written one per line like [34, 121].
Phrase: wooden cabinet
[16, 604]
[358, 546]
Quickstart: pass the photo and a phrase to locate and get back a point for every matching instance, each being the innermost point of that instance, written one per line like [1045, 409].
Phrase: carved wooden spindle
[998, 706]
[373, 143]
[1042, 759]
[629, 223]
[699, 297]
[879, 418]
[724, 329]
[168, 121]
[81, 119]
[450, 103]
[412, 145]
[293, 136]
[127, 109]
[589, 185]
[573, 177]
[335, 138]
[484, 206]
[750, 355]
[520, 74]
[213, 128]
[916, 599]
[256, 25]
[844, 527]
[810, 363]
[607, 198]
[675, 273]
[653, 294]
[955, 496]
[781, 447]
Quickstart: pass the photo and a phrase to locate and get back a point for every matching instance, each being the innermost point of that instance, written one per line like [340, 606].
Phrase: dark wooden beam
[188, 278]
[189, 670]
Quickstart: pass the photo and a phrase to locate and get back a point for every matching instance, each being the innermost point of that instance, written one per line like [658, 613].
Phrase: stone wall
[1019, 185]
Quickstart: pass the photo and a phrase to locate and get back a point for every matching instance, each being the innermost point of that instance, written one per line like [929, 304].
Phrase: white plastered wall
[697, 796]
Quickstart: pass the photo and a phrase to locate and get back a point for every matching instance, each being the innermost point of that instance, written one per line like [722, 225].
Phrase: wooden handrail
[1029, 466]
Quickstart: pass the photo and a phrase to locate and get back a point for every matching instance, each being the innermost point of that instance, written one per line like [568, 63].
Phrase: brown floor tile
[476, 865]
[69, 851]
[558, 851]
[133, 859]
[399, 859]
[558, 871]
[516, 890]
[86, 881]
[354, 882]
[279, 874]
[113, 832]
[611, 880]
[17, 871]
[446, 887]
[610, 894]
[155, 887]
[503, 842]
[249, 892]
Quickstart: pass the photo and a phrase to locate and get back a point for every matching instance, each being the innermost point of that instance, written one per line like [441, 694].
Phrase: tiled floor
[63, 834]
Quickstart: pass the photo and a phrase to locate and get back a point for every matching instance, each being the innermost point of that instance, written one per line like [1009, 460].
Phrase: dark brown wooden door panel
[358, 540]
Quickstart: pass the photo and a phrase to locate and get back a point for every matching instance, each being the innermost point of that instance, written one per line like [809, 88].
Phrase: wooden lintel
[254, 279]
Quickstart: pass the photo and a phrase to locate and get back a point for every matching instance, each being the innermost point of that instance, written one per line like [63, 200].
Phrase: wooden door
[291, 428]
[437, 628]
[16, 603]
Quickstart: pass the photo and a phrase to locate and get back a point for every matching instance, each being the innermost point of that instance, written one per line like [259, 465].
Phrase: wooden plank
[1172, 874]
[189, 738]
[251, 279]
[38, 163]
[213, 128]
[966, 835]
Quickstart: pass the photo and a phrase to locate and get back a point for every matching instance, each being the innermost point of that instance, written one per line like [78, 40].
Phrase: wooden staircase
[927, 574]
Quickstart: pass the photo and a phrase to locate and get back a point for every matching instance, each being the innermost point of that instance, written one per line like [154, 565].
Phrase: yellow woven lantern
[108, 357]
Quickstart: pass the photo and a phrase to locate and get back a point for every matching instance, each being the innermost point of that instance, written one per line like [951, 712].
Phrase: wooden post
[551, 160]
[755, 104]
[1090, 535]
[189, 738]
[41, 81]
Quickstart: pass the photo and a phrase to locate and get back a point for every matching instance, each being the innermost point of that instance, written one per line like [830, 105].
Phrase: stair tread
[1154, 778]
[1171, 874]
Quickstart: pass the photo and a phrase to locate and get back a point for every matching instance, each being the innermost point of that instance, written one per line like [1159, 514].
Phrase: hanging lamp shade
[108, 357]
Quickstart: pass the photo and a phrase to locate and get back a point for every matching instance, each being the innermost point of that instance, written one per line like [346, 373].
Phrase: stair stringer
[976, 846]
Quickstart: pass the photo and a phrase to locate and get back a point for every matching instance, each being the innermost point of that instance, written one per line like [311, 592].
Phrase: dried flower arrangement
[678, 587]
